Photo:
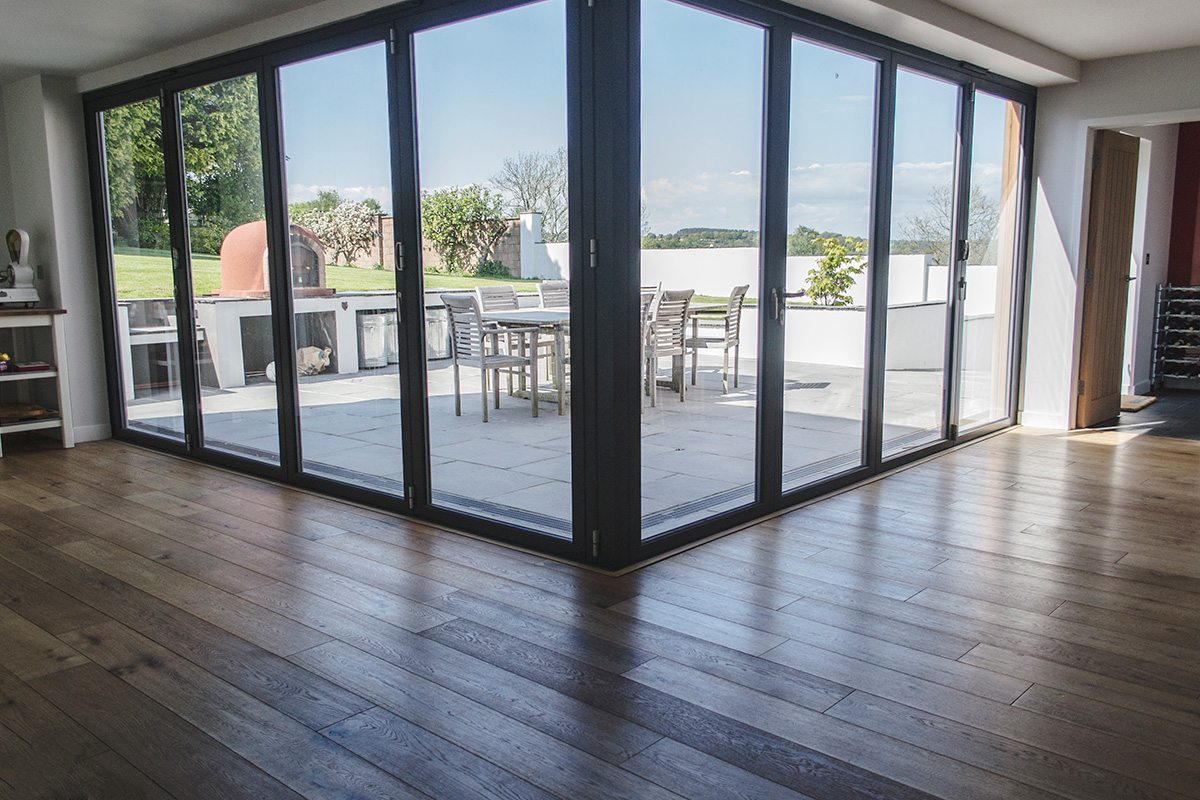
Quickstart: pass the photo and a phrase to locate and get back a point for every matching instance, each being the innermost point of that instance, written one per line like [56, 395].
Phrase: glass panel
[222, 162]
[919, 269]
[140, 240]
[991, 261]
[829, 217]
[701, 163]
[493, 174]
[343, 267]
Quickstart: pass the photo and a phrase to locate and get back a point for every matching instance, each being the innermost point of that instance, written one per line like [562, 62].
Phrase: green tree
[462, 224]
[326, 200]
[805, 241]
[137, 188]
[829, 282]
[695, 238]
[222, 157]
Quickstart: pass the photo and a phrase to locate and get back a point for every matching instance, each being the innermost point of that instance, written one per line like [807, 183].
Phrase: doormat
[1136, 402]
[798, 385]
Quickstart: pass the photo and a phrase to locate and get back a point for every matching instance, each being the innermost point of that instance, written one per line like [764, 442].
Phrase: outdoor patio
[697, 456]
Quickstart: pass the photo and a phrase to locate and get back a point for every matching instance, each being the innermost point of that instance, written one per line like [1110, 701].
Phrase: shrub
[462, 224]
[829, 282]
[492, 269]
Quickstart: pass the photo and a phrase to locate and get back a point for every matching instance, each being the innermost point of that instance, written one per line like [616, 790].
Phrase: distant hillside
[803, 241]
[691, 238]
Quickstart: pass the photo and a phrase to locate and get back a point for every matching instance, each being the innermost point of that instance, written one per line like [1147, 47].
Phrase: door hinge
[953, 431]
[591, 3]
[593, 249]
[399, 251]
[409, 492]
[392, 40]
[595, 544]
[1081, 387]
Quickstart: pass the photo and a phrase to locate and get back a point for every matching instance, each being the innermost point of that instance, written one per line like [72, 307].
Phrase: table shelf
[54, 320]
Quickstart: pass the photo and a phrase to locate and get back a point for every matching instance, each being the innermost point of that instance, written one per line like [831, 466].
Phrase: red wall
[1183, 262]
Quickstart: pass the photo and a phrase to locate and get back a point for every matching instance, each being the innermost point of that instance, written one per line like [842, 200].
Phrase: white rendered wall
[1144, 90]
[48, 190]
[1151, 242]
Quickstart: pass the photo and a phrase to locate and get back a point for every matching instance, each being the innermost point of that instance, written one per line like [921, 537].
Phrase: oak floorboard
[171, 751]
[517, 748]
[258, 733]
[1017, 619]
[263, 675]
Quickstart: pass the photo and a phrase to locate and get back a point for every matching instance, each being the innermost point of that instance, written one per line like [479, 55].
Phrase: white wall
[6, 208]
[1143, 90]
[1151, 242]
[48, 186]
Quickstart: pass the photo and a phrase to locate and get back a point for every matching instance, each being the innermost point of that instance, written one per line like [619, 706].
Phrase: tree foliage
[137, 188]
[463, 224]
[931, 232]
[691, 238]
[537, 182]
[222, 165]
[222, 159]
[830, 280]
[805, 241]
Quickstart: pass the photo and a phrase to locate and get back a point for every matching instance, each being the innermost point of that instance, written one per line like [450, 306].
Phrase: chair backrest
[555, 294]
[733, 315]
[497, 298]
[466, 326]
[670, 319]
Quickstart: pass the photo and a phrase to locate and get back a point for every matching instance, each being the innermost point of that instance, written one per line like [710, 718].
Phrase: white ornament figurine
[16, 282]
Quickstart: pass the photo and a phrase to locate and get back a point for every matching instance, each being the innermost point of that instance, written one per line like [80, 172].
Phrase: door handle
[777, 304]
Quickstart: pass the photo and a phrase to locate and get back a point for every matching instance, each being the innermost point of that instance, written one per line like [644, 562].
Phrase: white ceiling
[1040, 41]
[70, 37]
[1092, 29]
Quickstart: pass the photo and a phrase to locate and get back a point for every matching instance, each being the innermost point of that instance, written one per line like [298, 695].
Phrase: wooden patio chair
[475, 345]
[724, 331]
[664, 336]
[555, 294]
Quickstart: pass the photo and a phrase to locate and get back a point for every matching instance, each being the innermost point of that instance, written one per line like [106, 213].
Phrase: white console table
[55, 320]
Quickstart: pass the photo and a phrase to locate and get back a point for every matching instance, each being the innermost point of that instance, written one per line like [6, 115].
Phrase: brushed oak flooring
[1019, 618]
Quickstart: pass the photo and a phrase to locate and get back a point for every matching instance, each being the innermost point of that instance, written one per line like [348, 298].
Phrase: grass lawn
[147, 273]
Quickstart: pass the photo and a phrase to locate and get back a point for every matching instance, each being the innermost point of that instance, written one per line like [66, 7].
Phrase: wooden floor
[1017, 619]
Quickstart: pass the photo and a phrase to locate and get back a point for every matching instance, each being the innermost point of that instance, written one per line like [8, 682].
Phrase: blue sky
[495, 86]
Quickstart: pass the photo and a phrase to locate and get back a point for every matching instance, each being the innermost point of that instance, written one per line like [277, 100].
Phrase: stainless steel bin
[372, 340]
[392, 340]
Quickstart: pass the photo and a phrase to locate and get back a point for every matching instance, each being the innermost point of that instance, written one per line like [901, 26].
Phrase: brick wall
[508, 250]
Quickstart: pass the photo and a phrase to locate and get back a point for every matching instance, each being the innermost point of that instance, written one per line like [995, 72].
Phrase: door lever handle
[777, 302]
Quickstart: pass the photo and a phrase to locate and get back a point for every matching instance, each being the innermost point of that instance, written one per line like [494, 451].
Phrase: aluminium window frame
[603, 53]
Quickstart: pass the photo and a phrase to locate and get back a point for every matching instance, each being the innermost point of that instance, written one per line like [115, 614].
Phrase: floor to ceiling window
[925, 161]
[830, 179]
[139, 236]
[338, 190]
[702, 132]
[990, 270]
[404, 251]
[221, 149]
[492, 161]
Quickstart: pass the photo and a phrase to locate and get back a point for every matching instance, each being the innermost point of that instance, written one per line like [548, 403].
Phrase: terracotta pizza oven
[244, 262]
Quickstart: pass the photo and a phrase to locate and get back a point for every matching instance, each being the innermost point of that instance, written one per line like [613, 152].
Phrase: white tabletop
[529, 316]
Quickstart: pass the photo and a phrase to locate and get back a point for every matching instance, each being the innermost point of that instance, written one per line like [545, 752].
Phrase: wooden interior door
[1106, 285]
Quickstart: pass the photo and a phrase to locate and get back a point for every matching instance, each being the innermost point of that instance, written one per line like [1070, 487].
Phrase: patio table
[555, 320]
